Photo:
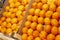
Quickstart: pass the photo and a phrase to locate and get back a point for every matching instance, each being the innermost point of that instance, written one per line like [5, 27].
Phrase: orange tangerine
[55, 15]
[24, 36]
[8, 20]
[17, 4]
[58, 9]
[18, 13]
[50, 37]
[13, 15]
[37, 11]
[54, 30]
[33, 25]
[3, 30]
[39, 5]
[52, 7]
[54, 22]
[43, 34]
[21, 7]
[27, 24]
[34, 4]
[29, 17]
[24, 30]
[49, 14]
[3, 18]
[31, 11]
[47, 21]
[24, 2]
[9, 25]
[57, 2]
[45, 7]
[4, 24]
[42, 13]
[8, 14]
[41, 20]
[30, 37]
[37, 38]
[57, 37]
[35, 18]
[44, 1]
[35, 33]
[30, 31]
[14, 20]
[47, 28]
[8, 31]
[39, 27]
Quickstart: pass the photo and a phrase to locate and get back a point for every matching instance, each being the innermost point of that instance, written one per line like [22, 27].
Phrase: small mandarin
[21, 7]
[27, 24]
[11, 10]
[52, 7]
[43, 34]
[41, 20]
[18, 13]
[12, 5]
[29, 17]
[58, 9]
[7, 8]
[8, 14]
[13, 15]
[48, 14]
[37, 38]
[8, 20]
[17, 4]
[47, 21]
[34, 5]
[44, 1]
[35, 18]
[33, 25]
[35, 33]
[14, 20]
[30, 31]
[3, 30]
[50, 37]
[57, 2]
[8, 31]
[42, 13]
[4, 24]
[9, 25]
[31, 11]
[45, 7]
[24, 36]
[55, 15]
[3, 18]
[39, 5]
[57, 37]
[14, 26]
[30, 37]
[24, 2]
[4, 14]
[47, 28]
[54, 30]
[39, 27]
[54, 22]
[37, 11]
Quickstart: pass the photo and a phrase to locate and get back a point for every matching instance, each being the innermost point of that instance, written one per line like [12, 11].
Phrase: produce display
[12, 16]
[43, 21]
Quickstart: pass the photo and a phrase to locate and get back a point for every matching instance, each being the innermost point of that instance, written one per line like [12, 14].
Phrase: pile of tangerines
[43, 21]
[12, 16]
